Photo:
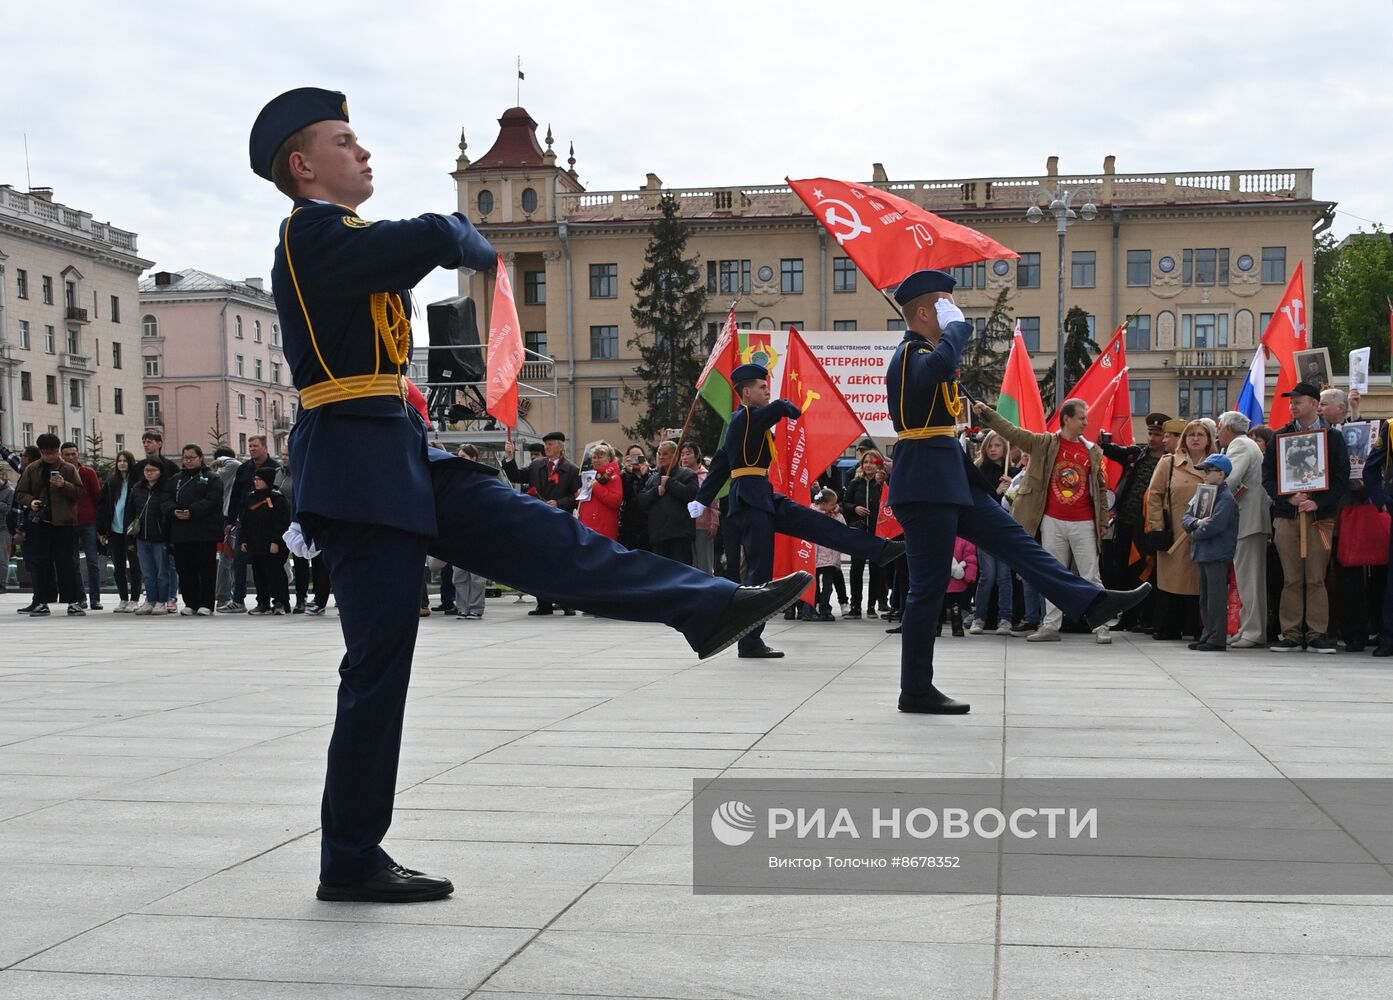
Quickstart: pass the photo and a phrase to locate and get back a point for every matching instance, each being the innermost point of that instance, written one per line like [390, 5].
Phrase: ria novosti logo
[733, 823]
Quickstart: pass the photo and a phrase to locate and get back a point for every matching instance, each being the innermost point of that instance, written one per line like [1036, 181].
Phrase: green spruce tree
[984, 362]
[668, 314]
[1079, 351]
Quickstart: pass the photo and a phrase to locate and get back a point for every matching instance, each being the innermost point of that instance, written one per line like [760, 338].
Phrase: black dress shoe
[1111, 603]
[933, 703]
[541, 611]
[1383, 651]
[394, 884]
[568, 613]
[891, 552]
[763, 653]
[750, 607]
[898, 629]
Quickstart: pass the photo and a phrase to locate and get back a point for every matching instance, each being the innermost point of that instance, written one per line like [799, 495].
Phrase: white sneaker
[1102, 636]
[1044, 635]
[146, 609]
[977, 627]
[159, 609]
[204, 612]
[1003, 627]
[188, 612]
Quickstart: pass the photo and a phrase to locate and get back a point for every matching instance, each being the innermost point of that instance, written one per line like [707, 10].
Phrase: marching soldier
[341, 285]
[755, 510]
[938, 495]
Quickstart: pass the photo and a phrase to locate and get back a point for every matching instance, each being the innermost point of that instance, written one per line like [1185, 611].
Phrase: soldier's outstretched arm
[716, 476]
[764, 418]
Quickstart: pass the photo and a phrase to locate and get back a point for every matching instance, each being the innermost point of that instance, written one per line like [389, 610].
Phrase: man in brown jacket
[1064, 498]
[50, 490]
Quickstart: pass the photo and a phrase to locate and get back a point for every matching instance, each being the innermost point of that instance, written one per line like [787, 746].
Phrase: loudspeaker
[454, 323]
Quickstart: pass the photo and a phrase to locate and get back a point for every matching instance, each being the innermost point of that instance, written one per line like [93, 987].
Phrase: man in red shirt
[86, 533]
[1064, 496]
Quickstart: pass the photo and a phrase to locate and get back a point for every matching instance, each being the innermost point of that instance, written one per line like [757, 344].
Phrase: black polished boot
[933, 702]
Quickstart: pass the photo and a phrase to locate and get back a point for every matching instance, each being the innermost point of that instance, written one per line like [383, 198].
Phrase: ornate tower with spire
[516, 181]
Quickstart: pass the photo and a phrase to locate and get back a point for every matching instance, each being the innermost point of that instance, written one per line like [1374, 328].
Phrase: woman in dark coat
[265, 516]
[196, 530]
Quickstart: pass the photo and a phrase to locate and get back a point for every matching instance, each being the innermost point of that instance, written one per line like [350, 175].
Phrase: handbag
[1162, 539]
[1364, 533]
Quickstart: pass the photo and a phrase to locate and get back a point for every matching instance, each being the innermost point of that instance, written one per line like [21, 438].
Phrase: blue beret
[748, 373]
[288, 114]
[923, 283]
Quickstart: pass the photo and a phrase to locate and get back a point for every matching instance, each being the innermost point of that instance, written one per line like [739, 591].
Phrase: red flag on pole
[1019, 400]
[504, 350]
[886, 524]
[888, 237]
[807, 446]
[1111, 360]
[1285, 335]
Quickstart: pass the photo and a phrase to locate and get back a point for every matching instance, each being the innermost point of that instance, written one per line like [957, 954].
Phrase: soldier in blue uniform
[1377, 471]
[341, 285]
[938, 495]
[755, 510]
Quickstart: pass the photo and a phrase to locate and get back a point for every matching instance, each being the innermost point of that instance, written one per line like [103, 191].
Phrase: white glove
[948, 312]
[297, 543]
[695, 509]
[959, 569]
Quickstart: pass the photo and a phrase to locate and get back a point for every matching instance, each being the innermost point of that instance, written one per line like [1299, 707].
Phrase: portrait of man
[1314, 366]
[1301, 463]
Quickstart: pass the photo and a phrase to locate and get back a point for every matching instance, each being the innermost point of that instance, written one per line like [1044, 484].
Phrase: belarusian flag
[1019, 401]
[713, 384]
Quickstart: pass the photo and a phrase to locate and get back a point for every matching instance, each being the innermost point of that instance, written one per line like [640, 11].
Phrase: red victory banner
[1019, 400]
[1284, 336]
[505, 351]
[890, 238]
[807, 446]
[886, 525]
[1109, 363]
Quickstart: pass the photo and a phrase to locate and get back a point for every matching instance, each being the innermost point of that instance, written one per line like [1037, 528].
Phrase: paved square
[160, 780]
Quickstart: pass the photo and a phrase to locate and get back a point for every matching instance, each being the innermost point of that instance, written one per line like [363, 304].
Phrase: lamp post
[1061, 201]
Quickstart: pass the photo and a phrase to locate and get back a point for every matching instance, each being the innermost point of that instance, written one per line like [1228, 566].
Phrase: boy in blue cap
[1213, 542]
[342, 288]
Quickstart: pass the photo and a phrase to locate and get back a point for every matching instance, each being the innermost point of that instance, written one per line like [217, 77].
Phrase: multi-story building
[213, 362]
[69, 337]
[1195, 263]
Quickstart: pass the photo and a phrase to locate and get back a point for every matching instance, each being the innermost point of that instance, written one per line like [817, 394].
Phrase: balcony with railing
[537, 371]
[281, 423]
[75, 314]
[40, 209]
[1208, 360]
[75, 363]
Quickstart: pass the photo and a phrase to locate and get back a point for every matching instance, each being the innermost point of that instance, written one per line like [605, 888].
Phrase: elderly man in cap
[555, 481]
[1304, 612]
[755, 510]
[938, 494]
[342, 286]
[1254, 527]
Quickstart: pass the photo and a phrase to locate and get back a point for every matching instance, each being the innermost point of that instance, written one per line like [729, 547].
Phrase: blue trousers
[757, 528]
[993, 576]
[929, 532]
[486, 527]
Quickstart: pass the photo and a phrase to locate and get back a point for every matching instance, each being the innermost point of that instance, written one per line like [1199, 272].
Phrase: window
[74, 433]
[115, 309]
[1204, 330]
[1138, 269]
[604, 406]
[24, 334]
[256, 331]
[276, 372]
[1138, 334]
[26, 386]
[604, 342]
[535, 340]
[275, 335]
[241, 405]
[843, 275]
[1274, 265]
[118, 402]
[49, 338]
[51, 388]
[75, 394]
[789, 324]
[604, 281]
[257, 369]
[1083, 269]
[894, 324]
[485, 202]
[152, 366]
[259, 408]
[28, 435]
[48, 290]
[844, 324]
[74, 344]
[115, 354]
[791, 276]
[1205, 266]
[534, 288]
[1030, 330]
[70, 294]
[120, 443]
[1092, 322]
[149, 326]
[728, 277]
[237, 326]
[240, 367]
[1263, 320]
[529, 200]
[1028, 271]
[22, 284]
[1203, 397]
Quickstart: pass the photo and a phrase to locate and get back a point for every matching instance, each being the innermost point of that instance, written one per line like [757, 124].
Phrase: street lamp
[1061, 201]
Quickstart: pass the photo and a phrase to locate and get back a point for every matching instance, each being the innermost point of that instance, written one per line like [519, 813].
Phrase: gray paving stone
[100, 986]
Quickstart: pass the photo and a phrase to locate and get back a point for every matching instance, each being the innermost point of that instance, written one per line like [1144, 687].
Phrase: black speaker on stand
[455, 357]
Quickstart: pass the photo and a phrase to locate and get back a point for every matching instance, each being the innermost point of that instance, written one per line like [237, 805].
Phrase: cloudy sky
[138, 112]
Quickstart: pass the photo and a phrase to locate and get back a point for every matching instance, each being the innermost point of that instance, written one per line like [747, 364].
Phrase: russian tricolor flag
[1250, 400]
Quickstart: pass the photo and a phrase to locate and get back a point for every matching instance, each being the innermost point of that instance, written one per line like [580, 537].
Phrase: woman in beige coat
[1177, 577]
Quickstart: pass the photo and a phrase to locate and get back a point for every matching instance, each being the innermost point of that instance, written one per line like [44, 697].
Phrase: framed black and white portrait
[1302, 463]
[1313, 366]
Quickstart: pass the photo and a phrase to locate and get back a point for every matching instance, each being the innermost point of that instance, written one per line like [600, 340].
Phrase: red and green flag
[1019, 401]
[714, 382]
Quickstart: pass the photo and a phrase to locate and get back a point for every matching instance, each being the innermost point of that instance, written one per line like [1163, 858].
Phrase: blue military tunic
[745, 456]
[922, 397]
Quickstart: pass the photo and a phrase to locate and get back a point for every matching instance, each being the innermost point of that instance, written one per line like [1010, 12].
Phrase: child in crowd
[962, 576]
[829, 561]
[1213, 541]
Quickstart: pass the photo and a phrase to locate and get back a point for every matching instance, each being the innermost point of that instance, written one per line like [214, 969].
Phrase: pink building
[214, 365]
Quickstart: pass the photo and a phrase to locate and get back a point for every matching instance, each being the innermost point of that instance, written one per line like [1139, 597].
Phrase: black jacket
[1336, 462]
[199, 491]
[633, 519]
[862, 493]
[264, 517]
[538, 478]
[151, 510]
[667, 514]
[242, 485]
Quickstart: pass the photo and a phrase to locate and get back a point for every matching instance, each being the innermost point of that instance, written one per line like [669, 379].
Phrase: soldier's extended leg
[792, 518]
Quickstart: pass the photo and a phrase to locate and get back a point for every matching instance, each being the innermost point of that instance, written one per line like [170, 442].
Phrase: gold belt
[921, 433]
[353, 387]
[748, 470]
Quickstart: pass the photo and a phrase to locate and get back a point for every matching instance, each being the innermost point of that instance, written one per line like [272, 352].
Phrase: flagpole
[696, 400]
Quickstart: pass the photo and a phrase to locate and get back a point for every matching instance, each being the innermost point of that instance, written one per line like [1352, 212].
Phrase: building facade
[69, 325]
[214, 368]
[1194, 263]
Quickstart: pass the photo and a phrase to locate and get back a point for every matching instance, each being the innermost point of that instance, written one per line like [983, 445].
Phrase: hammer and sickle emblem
[852, 220]
[1293, 315]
